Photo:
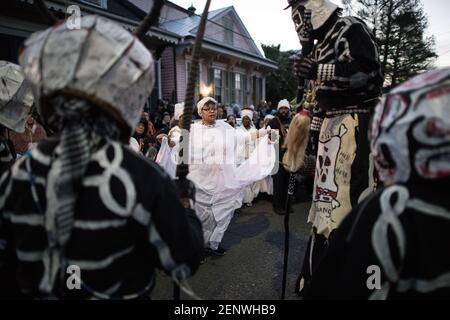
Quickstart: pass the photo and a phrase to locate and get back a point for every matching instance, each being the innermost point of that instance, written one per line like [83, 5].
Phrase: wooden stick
[150, 20]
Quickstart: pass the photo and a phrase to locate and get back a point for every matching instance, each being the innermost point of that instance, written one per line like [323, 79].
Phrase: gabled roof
[187, 27]
[215, 13]
[182, 27]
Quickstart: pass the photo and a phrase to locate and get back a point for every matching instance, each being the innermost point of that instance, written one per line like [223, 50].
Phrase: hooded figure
[16, 100]
[15, 106]
[394, 245]
[344, 71]
[87, 199]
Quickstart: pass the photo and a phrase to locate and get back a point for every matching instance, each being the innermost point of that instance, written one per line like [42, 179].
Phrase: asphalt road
[253, 266]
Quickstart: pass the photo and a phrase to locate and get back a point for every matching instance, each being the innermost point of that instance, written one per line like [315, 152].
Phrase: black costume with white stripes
[127, 222]
[349, 69]
[402, 232]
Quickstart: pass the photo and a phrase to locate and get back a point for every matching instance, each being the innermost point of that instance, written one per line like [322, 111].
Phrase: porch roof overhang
[220, 48]
[17, 26]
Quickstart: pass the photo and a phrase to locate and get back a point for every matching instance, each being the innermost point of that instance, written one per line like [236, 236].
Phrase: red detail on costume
[325, 192]
[421, 81]
[434, 130]
[438, 92]
[305, 113]
[426, 173]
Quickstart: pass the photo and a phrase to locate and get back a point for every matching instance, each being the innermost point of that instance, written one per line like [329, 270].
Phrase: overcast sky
[267, 23]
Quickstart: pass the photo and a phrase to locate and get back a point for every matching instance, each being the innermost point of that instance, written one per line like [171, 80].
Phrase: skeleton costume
[403, 228]
[85, 198]
[219, 181]
[15, 105]
[346, 69]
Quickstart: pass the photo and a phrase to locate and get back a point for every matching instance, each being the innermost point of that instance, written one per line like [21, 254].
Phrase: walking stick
[185, 187]
[291, 188]
[302, 89]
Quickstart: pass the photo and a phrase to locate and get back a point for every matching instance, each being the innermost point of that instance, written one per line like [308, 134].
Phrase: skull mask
[310, 15]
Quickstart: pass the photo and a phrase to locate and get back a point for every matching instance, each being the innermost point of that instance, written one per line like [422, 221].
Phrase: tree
[280, 84]
[399, 27]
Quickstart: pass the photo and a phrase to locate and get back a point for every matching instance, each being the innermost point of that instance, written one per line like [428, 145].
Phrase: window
[97, 3]
[218, 85]
[228, 28]
[245, 90]
[238, 88]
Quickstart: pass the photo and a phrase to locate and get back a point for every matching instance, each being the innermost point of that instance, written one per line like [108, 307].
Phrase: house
[232, 69]
[20, 18]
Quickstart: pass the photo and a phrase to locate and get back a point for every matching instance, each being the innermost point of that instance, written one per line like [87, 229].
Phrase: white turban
[269, 117]
[179, 108]
[134, 145]
[204, 101]
[248, 113]
[283, 103]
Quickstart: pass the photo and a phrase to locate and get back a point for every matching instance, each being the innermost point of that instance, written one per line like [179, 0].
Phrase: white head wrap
[179, 108]
[134, 145]
[248, 113]
[269, 117]
[283, 103]
[202, 102]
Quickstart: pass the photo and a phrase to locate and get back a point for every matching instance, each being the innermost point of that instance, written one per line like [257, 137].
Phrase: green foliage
[280, 84]
[399, 26]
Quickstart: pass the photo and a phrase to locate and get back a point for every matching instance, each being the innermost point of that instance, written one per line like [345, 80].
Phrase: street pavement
[252, 268]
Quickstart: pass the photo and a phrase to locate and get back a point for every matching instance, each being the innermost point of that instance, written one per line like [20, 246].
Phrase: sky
[268, 23]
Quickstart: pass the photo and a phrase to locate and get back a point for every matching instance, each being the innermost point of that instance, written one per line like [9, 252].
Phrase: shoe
[218, 252]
